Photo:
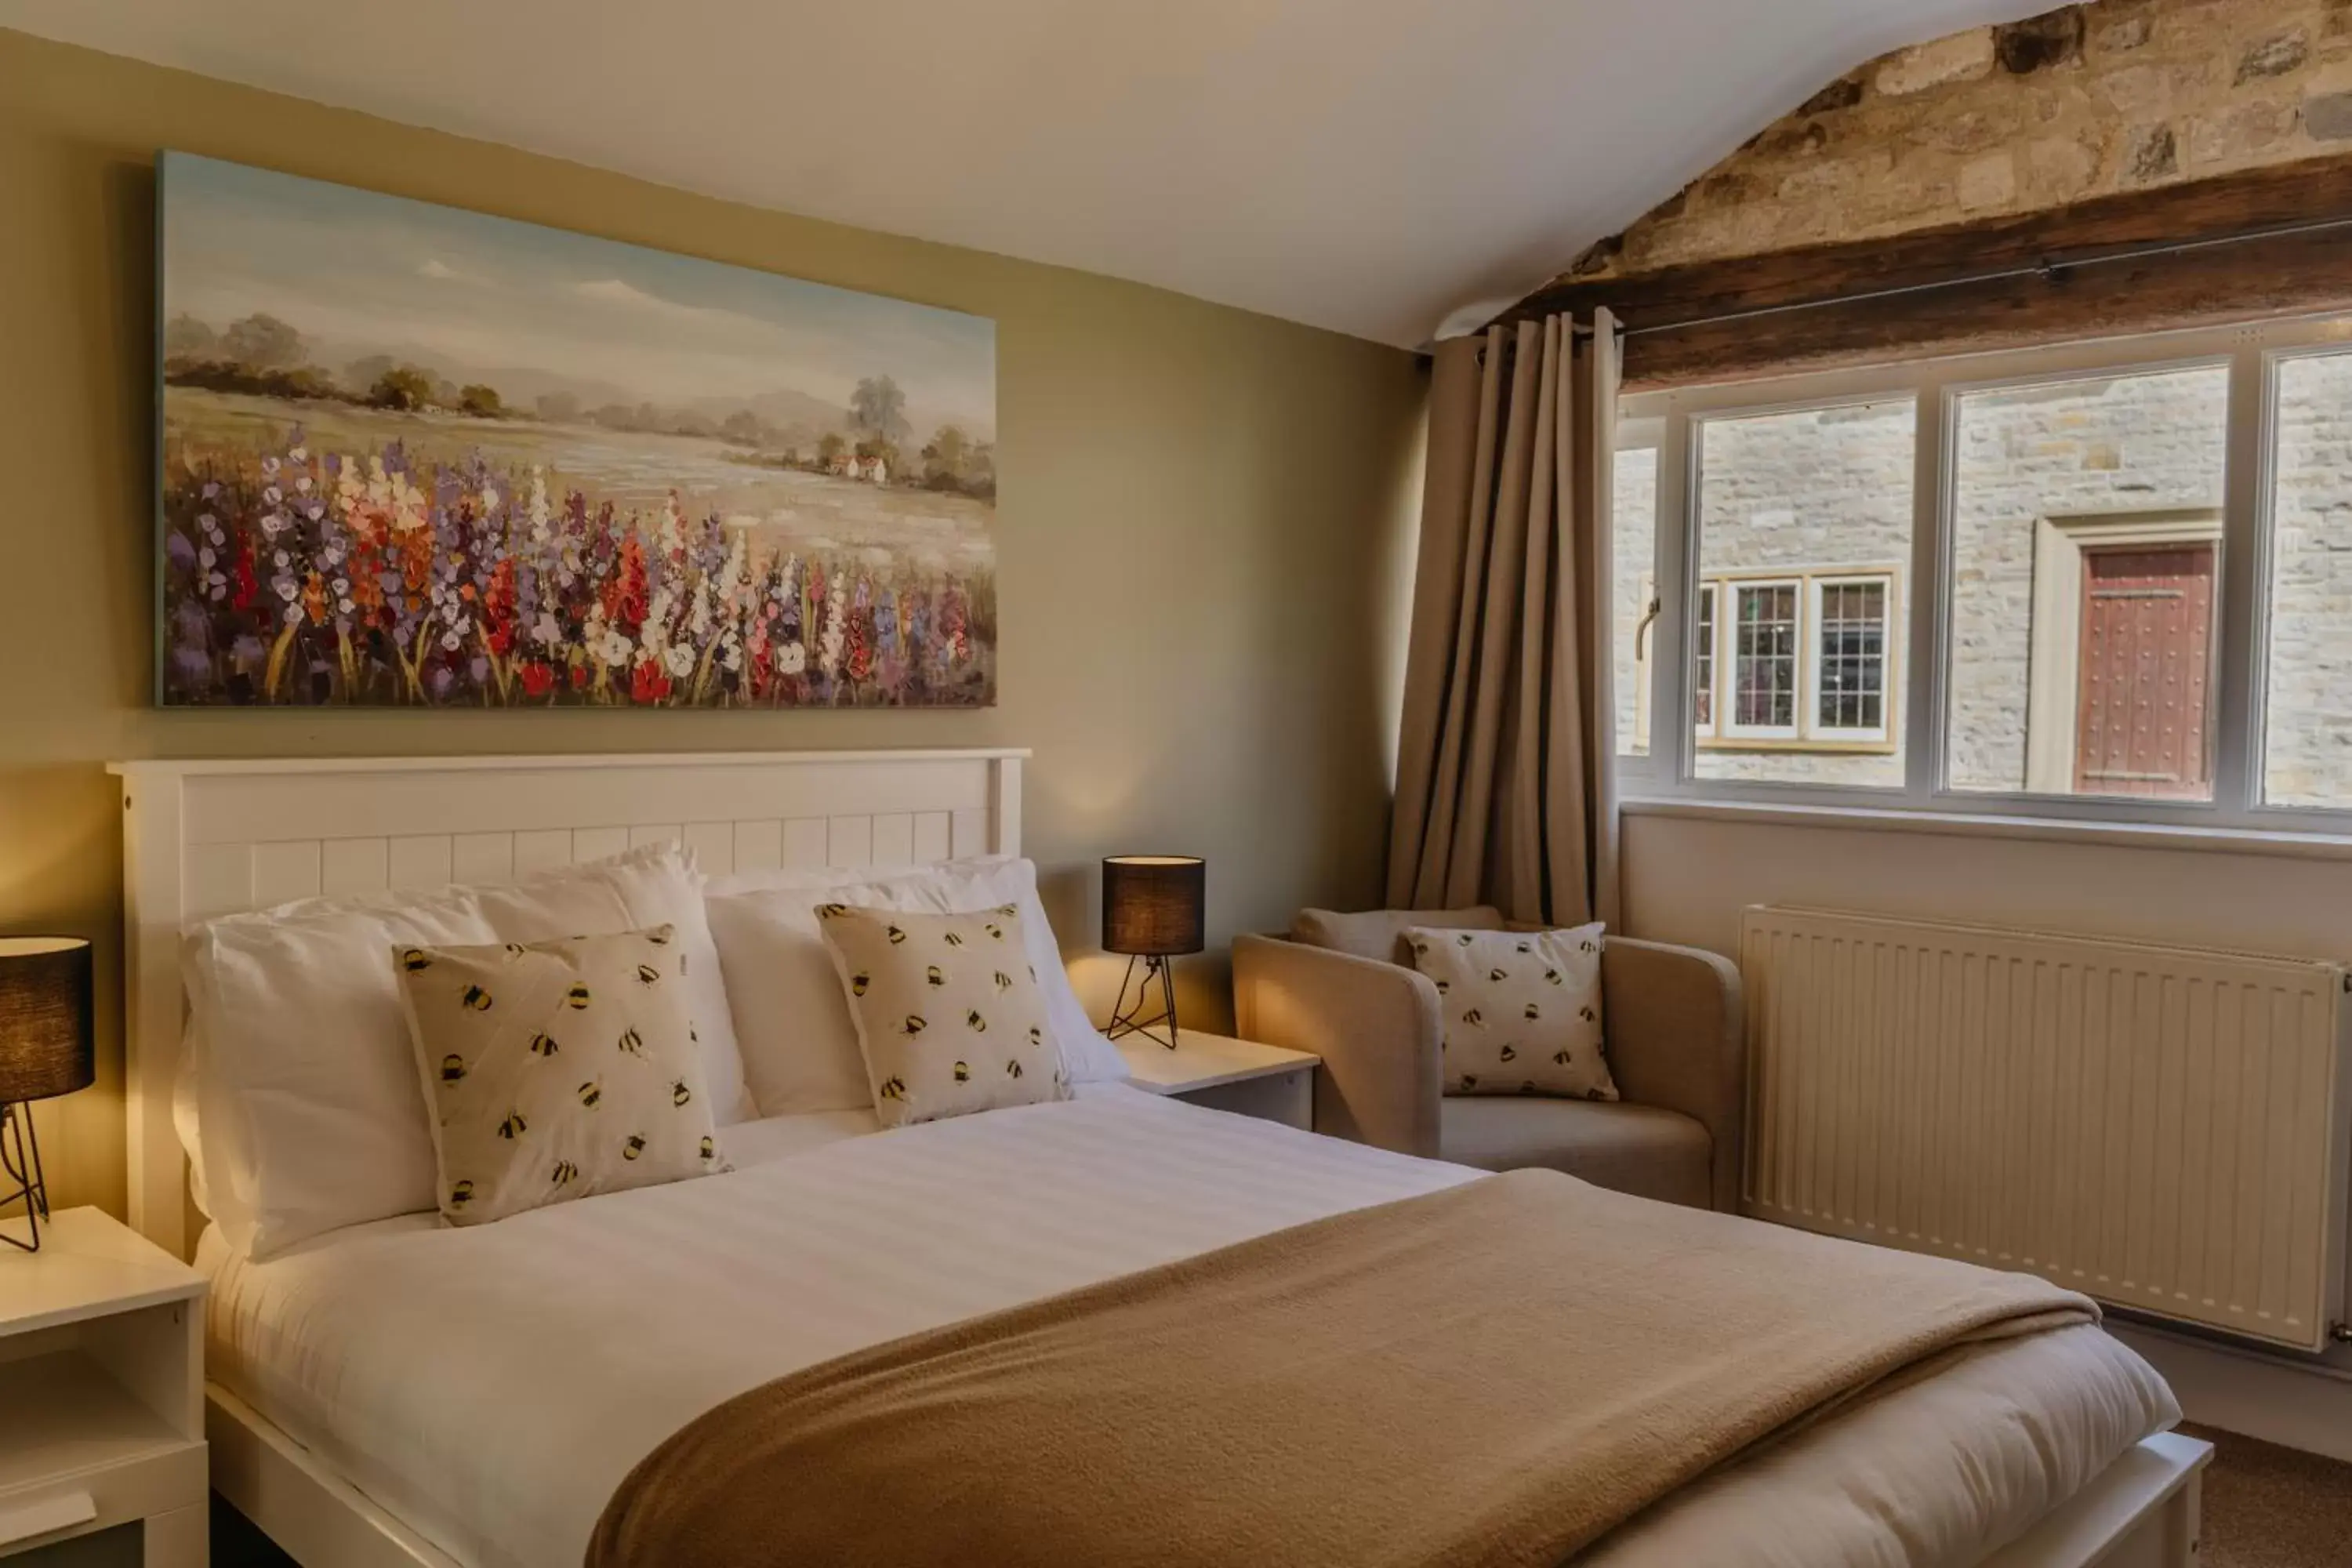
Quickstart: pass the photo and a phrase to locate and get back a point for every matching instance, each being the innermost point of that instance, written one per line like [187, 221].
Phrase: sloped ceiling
[1364, 165]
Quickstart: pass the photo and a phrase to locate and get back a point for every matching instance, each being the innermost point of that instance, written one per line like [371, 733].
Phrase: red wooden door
[2147, 661]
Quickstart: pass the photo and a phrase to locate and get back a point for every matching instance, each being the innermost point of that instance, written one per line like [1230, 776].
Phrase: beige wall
[1204, 518]
[1687, 878]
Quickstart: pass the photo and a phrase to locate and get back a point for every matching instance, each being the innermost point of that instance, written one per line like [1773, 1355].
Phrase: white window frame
[1807, 734]
[1917, 686]
[1644, 627]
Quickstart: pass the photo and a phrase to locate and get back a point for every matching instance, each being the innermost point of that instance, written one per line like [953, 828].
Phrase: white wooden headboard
[204, 838]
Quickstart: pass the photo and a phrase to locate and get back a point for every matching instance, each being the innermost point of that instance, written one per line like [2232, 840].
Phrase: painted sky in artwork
[360, 273]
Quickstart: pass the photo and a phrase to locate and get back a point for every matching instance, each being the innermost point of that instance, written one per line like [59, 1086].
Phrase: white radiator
[2163, 1130]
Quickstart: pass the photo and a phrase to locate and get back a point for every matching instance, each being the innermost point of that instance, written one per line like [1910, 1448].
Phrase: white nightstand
[1225, 1073]
[101, 1393]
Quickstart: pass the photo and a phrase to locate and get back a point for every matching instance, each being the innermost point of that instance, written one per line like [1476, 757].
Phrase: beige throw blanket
[1497, 1373]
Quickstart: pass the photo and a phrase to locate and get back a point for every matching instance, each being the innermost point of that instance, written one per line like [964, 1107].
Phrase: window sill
[1793, 745]
[1979, 825]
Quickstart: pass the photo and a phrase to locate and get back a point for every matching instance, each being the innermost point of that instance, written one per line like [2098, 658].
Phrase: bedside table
[101, 1395]
[1225, 1073]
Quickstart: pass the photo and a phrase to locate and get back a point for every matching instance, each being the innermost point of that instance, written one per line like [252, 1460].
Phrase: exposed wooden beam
[2069, 287]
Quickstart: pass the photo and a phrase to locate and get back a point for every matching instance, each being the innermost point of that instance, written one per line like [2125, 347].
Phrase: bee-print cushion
[557, 1069]
[1522, 1009]
[949, 1015]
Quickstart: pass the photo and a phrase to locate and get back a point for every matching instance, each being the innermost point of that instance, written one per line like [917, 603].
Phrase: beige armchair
[1673, 1024]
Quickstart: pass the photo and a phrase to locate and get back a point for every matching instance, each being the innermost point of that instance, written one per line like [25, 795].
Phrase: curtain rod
[2048, 267]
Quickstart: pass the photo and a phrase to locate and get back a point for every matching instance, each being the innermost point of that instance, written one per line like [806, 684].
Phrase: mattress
[491, 1385]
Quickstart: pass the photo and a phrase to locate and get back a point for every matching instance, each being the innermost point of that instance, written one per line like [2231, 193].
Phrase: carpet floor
[2265, 1507]
[2268, 1507]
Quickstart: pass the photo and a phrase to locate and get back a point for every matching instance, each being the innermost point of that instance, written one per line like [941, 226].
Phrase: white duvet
[490, 1387]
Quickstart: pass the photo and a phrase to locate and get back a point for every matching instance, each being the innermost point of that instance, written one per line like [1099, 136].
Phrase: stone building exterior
[2309, 740]
[1832, 491]
[2145, 447]
[2084, 101]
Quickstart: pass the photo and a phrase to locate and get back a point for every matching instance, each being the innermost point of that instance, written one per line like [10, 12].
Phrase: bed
[403, 1392]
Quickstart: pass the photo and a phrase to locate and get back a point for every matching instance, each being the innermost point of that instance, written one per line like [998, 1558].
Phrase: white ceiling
[1365, 165]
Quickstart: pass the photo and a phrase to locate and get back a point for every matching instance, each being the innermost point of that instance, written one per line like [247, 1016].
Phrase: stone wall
[2091, 449]
[2085, 100]
[2309, 740]
[1832, 489]
[1808, 492]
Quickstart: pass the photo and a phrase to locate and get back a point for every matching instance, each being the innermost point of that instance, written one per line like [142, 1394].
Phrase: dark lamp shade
[45, 1045]
[1154, 905]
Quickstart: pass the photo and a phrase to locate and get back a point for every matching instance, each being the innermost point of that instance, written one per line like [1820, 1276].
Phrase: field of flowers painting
[414, 456]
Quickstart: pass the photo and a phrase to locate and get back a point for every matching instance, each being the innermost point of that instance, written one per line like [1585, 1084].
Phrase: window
[1808, 664]
[1850, 657]
[2086, 514]
[1637, 672]
[1805, 520]
[1763, 661]
[2134, 571]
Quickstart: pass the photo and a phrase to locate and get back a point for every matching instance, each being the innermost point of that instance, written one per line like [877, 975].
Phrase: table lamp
[1153, 908]
[46, 1049]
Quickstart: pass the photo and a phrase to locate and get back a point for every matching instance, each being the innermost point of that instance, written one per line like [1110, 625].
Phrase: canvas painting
[418, 456]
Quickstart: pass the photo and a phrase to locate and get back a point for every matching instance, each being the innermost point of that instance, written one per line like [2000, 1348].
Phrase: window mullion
[1922, 673]
[1811, 649]
[1671, 748]
[2237, 707]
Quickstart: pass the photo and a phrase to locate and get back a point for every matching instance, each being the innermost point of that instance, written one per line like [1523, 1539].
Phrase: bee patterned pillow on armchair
[949, 1015]
[1522, 1010]
[556, 1071]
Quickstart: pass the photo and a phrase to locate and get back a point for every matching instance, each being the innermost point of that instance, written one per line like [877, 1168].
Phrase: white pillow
[311, 1113]
[654, 885]
[308, 1098]
[798, 1040]
[186, 1122]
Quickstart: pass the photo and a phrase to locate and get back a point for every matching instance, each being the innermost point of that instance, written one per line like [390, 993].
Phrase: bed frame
[204, 838]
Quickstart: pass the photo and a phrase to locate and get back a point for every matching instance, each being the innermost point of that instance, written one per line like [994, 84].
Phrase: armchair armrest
[1675, 1030]
[1376, 1026]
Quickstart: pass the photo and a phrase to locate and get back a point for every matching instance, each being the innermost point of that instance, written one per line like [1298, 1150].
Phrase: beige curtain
[1505, 765]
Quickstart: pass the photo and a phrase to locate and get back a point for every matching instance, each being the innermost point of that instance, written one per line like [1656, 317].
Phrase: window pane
[1791, 507]
[1635, 546]
[2086, 527]
[2308, 731]
[1765, 659]
[1853, 684]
